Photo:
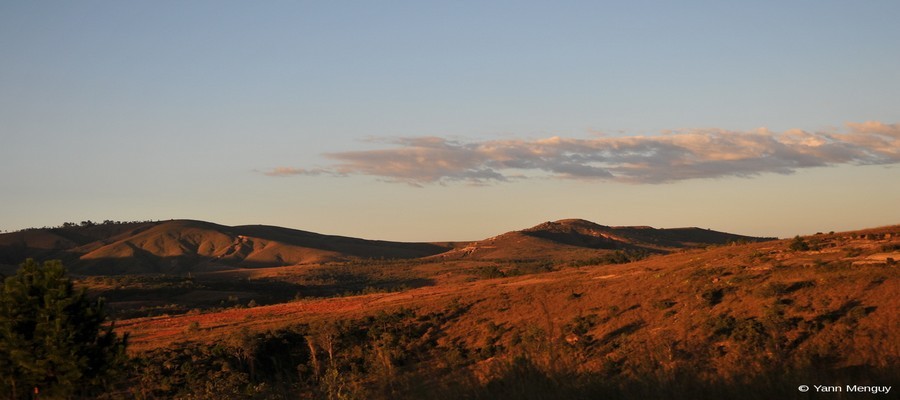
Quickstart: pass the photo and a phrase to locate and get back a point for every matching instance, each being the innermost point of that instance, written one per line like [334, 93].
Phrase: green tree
[52, 337]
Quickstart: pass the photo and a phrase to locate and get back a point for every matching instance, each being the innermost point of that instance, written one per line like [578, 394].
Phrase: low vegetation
[737, 321]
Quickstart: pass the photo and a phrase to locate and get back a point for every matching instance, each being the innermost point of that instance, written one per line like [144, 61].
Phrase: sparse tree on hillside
[798, 244]
[53, 342]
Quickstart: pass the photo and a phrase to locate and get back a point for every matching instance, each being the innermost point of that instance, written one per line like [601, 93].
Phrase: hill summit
[572, 239]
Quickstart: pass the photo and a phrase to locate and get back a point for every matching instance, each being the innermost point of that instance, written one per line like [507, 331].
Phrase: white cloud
[671, 156]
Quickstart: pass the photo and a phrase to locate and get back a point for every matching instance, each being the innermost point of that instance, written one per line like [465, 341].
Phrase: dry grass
[702, 322]
[663, 306]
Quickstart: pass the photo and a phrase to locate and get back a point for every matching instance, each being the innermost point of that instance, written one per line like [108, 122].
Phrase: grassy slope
[181, 246]
[834, 305]
[704, 322]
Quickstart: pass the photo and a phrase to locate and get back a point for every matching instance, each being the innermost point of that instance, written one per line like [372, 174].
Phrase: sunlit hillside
[710, 322]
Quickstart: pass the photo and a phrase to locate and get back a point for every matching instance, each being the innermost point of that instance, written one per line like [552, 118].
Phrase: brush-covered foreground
[749, 321]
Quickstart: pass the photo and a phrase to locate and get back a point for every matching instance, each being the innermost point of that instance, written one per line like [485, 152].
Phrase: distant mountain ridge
[578, 239]
[187, 245]
[641, 236]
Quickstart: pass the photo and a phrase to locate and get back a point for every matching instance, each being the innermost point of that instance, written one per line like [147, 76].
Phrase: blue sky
[427, 121]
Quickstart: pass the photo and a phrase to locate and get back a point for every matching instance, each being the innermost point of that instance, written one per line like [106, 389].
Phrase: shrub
[713, 296]
[751, 333]
[890, 247]
[798, 244]
[721, 325]
[854, 251]
[773, 289]
[664, 304]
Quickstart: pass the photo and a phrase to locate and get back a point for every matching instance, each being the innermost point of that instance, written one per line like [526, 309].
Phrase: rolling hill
[578, 239]
[283, 313]
[181, 246]
[739, 321]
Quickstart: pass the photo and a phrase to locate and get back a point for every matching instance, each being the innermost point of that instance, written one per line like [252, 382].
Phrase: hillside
[181, 246]
[578, 239]
[739, 321]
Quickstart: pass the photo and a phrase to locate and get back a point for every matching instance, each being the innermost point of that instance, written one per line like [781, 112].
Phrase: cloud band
[667, 157]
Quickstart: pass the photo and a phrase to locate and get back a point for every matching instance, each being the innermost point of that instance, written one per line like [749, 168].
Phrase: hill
[281, 313]
[578, 239]
[740, 321]
[181, 246]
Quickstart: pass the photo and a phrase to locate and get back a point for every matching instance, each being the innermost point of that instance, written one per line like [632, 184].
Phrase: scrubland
[739, 321]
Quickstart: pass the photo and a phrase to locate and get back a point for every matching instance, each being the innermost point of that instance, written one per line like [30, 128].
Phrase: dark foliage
[53, 339]
[798, 244]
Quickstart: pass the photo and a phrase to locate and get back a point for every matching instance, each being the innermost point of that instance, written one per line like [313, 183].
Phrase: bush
[721, 325]
[854, 251]
[664, 304]
[798, 244]
[713, 296]
[773, 289]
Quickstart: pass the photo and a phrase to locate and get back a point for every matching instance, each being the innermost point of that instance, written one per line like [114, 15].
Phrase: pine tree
[53, 339]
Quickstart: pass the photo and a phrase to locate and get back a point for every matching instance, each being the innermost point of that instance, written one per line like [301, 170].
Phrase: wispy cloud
[666, 157]
[291, 171]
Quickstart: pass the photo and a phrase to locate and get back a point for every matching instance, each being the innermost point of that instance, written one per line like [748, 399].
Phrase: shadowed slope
[58, 243]
[579, 239]
[187, 245]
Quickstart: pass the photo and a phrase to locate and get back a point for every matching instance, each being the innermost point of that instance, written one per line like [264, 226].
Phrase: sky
[432, 121]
